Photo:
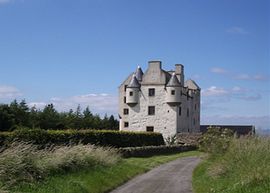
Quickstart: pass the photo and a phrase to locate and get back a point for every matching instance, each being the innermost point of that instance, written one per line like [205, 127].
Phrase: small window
[130, 93]
[180, 111]
[126, 112]
[195, 106]
[125, 124]
[151, 110]
[187, 112]
[151, 92]
[126, 88]
[150, 129]
[125, 99]
[172, 92]
[194, 121]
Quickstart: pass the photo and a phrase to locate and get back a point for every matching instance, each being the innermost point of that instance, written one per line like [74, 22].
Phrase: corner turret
[173, 94]
[133, 90]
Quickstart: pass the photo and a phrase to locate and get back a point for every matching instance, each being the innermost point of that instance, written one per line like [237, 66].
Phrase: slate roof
[173, 82]
[139, 73]
[134, 83]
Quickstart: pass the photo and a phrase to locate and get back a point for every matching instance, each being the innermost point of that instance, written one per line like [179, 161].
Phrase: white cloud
[98, 103]
[216, 94]
[214, 91]
[38, 105]
[257, 77]
[218, 70]
[237, 30]
[9, 91]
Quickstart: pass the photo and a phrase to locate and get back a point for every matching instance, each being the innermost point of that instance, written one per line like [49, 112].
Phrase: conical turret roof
[173, 82]
[139, 73]
[134, 83]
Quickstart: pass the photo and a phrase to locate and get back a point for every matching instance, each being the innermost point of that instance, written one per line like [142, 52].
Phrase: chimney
[154, 65]
[179, 72]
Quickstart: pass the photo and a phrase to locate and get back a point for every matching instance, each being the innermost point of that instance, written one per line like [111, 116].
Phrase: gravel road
[172, 177]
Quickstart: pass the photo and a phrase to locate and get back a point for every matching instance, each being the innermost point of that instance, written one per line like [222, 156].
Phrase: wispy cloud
[257, 77]
[98, 103]
[214, 91]
[218, 70]
[4, 1]
[7, 92]
[237, 30]
[218, 94]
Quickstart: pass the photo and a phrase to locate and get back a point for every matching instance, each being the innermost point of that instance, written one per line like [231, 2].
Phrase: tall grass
[243, 168]
[24, 162]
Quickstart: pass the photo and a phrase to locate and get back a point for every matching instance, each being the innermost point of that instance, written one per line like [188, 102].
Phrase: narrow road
[172, 177]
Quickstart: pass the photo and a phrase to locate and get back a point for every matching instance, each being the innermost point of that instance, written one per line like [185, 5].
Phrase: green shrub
[97, 137]
[216, 140]
[148, 151]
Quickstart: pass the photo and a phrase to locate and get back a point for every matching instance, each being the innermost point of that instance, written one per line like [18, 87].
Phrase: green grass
[244, 168]
[101, 178]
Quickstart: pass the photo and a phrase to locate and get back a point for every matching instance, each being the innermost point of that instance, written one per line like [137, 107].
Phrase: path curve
[172, 177]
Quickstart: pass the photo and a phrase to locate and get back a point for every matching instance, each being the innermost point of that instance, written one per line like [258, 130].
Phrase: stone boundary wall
[155, 150]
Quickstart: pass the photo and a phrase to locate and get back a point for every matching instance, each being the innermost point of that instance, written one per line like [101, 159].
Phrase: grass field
[244, 168]
[71, 169]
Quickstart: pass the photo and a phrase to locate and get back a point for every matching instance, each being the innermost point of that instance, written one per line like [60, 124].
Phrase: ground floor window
[125, 124]
[150, 129]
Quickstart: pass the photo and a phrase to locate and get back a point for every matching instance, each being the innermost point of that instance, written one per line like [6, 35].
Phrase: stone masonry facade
[160, 101]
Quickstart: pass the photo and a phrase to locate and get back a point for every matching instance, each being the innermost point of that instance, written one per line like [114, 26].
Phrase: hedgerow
[97, 137]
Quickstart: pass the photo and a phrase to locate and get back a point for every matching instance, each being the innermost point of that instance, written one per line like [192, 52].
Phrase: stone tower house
[160, 101]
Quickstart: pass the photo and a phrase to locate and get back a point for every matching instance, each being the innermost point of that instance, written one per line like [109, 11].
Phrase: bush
[154, 150]
[23, 162]
[216, 140]
[97, 137]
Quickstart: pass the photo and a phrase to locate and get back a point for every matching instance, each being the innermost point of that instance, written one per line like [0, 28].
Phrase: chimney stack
[179, 72]
[154, 65]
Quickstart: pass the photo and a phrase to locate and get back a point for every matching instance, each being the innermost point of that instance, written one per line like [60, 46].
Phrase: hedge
[154, 150]
[97, 137]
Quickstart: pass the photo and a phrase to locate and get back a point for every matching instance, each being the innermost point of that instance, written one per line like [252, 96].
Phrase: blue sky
[70, 52]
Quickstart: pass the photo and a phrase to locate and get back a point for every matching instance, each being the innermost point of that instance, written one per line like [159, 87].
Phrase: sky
[70, 52]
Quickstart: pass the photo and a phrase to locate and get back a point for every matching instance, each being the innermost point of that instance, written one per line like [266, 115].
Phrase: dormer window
[130, 93]
[172, 92]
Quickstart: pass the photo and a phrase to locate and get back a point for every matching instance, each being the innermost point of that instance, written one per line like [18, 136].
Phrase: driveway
[172, 177]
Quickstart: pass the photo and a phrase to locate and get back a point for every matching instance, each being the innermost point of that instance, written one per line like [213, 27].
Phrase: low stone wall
[188, 138]
[154, 150]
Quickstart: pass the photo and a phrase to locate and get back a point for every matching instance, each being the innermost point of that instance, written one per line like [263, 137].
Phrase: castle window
[126, 88]
[151, 92]
[125, 99]
[180, 111]
[151, 110]
[150, 129]
[172, 92]
[187, 112]
[194, 121]
[126, 112]
[195, 106]
[130, 93]
[125, 124]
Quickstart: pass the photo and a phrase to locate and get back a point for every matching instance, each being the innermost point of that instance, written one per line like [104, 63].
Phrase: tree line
[19, 114]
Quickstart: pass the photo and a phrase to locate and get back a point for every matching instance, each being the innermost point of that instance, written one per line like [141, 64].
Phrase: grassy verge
[101, 178]
[243, 168]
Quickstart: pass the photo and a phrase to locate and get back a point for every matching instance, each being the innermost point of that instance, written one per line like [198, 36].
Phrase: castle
[160, 101]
